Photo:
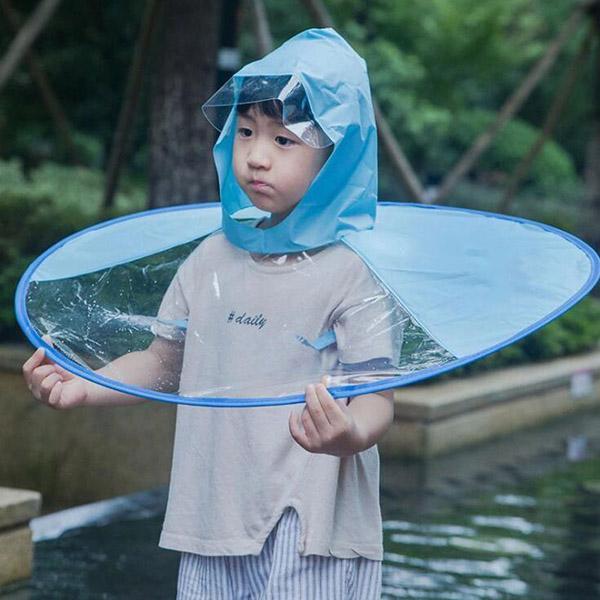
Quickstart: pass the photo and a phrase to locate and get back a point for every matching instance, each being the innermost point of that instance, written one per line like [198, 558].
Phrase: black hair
[297, 104]
[269, 108]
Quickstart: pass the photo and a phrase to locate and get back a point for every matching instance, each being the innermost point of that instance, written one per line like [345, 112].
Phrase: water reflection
[578, 573]
[512, 519]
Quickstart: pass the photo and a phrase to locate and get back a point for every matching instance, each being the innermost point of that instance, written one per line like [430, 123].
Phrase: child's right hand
[53, 385]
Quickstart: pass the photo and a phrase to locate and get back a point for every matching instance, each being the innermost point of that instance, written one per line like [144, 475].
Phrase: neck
[273, 220]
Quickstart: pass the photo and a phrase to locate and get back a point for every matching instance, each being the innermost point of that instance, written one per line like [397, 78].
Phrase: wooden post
[411, 182]
[130, 101]
[53, 105]
[511, 106]
[397, 156]
[319, 13]
[563, 94]
[262, 32]
[592, 156]
[25, 38]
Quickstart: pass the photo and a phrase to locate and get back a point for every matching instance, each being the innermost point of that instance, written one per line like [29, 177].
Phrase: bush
[36, 213]
[564, 208]
[70, 188]
[552, 170]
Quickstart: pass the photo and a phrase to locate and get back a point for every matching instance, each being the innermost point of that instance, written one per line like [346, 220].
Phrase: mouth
[258, 185]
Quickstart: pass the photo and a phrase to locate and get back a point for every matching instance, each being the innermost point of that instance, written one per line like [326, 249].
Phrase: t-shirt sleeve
[173, 312]
[368, 323]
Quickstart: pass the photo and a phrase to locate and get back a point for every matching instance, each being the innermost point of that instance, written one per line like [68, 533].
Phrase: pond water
[515, 518]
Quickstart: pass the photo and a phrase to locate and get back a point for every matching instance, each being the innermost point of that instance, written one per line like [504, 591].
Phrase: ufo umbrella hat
[464, 284]
[445, 286]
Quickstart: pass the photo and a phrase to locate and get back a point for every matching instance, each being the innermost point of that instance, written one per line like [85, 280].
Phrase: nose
[258, 156]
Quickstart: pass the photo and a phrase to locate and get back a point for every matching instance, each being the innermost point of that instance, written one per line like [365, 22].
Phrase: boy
[270, 502]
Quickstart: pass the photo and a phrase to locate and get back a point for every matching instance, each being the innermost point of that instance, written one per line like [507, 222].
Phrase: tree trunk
[181, 139]
[592, 182]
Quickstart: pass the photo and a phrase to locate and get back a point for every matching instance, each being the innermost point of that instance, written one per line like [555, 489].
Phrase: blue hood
[343, 196]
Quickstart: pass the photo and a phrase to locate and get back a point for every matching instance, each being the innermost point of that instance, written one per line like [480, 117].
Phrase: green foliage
[427, 68]
[552, 169]
[441, 74]
[29, 224]
[85, 53]
[36, 213]
[71, 188]
[576, 331]
[466, 47]
[564, 207]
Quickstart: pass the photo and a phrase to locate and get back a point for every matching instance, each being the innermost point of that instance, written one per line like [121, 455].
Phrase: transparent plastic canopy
[296, 114]
[428, 289]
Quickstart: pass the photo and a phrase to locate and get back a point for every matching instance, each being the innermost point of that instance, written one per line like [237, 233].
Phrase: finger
[42, 372]
[297, 431]
[34, 381]
[333, 410]
[315, 409]
[47, 385]
[55, 395]
[293, 424]
[35, 360]
[65, 375]
[312, 433]
[326, 381]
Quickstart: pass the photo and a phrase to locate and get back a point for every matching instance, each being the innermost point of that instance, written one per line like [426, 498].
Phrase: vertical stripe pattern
[278, 572]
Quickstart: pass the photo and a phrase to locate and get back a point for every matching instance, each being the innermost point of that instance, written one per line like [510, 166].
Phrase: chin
[260, 202]
[264, 206]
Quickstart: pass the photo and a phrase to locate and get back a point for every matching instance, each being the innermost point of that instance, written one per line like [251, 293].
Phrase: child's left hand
[325, 425]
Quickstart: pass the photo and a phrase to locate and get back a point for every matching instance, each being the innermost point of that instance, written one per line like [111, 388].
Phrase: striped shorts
[279, 572]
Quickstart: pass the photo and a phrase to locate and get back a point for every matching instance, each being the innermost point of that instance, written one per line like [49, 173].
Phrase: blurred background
[101, 116]
[489, 105]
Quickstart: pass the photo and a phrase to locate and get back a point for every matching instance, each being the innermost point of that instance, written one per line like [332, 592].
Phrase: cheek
[321, 157]
[315, 162]
[237, 161]
[302, 172]
[302, 175]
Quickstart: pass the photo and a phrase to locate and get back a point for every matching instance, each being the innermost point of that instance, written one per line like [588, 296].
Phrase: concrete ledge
[78, 456]
[17, 508]
[434, 418]
[16, 555]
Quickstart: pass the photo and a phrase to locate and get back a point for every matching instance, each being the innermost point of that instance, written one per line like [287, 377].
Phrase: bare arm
[373, 414]
[156, 368]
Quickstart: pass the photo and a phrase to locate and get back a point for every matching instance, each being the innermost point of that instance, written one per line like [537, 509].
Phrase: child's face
[272, 165]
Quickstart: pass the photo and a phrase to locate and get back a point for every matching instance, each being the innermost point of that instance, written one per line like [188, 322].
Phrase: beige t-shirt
[249, 333]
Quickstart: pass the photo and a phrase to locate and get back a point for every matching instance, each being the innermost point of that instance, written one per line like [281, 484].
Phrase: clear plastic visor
[257, 332]
[296, 114]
